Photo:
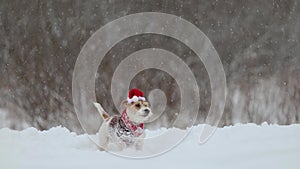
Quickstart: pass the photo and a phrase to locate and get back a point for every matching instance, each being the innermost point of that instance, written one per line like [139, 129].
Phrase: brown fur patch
[142, 104]
[105, 116]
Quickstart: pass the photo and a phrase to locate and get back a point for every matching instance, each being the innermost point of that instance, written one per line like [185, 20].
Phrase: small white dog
[126, 130]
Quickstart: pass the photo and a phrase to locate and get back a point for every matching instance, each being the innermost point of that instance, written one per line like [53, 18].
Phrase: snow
[239, 146]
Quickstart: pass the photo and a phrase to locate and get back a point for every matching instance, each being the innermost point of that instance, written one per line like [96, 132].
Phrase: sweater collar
[136, 129]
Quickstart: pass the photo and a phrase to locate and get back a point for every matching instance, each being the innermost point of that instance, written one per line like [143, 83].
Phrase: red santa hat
[135, 95]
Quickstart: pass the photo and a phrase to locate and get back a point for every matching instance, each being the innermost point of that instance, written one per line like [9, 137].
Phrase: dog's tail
[103, 114]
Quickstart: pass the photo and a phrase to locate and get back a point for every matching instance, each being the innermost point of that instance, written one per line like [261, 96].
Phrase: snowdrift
[239, 146]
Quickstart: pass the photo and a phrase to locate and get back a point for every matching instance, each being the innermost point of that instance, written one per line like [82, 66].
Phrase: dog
[125, 130]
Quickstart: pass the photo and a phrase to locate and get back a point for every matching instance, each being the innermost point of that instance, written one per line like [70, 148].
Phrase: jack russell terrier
[125, 130]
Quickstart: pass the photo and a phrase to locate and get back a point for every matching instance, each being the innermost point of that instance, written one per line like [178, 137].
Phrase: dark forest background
[257, 41]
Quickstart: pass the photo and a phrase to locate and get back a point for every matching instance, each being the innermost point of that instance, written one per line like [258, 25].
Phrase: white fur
[108, 143]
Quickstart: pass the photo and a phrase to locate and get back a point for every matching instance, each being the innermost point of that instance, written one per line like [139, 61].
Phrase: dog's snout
[147, 111]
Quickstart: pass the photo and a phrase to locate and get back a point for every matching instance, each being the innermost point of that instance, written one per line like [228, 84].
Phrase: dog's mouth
[146, 116]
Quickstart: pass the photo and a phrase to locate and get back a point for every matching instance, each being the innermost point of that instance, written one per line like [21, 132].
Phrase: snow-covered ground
[240, 146]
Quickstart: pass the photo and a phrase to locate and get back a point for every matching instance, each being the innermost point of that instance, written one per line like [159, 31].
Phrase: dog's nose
[147, 111]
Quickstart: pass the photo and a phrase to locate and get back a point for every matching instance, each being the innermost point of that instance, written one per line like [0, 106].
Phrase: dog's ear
[124, 103]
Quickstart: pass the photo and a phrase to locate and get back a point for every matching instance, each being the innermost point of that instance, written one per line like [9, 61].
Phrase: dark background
[257, 41]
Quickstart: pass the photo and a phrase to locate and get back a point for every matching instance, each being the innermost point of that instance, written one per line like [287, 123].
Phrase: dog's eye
[138, 105]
